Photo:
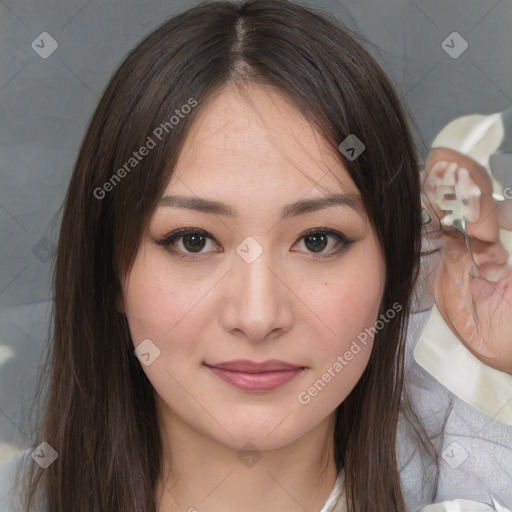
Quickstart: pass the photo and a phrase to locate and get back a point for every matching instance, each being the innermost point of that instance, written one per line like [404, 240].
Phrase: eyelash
[168, 241]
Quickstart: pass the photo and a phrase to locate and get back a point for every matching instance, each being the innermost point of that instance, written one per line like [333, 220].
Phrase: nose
[258, 305]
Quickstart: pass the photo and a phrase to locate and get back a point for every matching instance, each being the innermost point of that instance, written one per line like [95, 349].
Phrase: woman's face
[249, 283]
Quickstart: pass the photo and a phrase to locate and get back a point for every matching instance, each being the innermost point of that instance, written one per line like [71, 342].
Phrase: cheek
[159, 306]
[166, 311]
[342, 356]
[348, 308]
[349, 303]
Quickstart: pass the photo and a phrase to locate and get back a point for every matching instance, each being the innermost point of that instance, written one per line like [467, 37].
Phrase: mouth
[254, 376]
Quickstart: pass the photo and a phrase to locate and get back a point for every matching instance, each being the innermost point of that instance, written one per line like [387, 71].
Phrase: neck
[200, 474]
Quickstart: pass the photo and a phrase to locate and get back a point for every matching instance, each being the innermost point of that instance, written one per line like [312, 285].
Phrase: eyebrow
[300, 207]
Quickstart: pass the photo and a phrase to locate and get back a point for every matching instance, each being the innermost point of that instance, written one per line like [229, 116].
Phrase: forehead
[257, 139]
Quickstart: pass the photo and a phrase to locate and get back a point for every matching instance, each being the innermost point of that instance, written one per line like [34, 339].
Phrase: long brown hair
[98, 410]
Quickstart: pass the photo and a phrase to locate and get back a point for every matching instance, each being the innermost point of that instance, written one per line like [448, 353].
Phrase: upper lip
[244, 365]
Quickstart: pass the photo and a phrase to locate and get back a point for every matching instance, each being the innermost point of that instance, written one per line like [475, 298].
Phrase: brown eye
[316, 242]
[194, 242]
[186, 242]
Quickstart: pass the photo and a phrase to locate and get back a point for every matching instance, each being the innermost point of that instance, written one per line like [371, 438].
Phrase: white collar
[334, 502]
[444, 356]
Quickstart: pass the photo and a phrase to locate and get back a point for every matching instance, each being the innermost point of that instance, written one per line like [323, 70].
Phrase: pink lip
[251, 376]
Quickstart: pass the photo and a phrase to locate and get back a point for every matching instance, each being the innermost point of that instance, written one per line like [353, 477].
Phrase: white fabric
[475, 135]
[336, 500]
[468, 424]
[444, 357]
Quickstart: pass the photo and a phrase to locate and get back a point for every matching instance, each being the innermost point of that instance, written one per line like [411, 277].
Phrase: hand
[473, 288]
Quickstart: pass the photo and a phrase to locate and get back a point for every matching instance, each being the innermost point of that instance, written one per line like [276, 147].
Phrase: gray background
[45, 105]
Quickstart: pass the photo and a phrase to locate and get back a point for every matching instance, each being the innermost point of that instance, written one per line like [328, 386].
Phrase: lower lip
[265, 381]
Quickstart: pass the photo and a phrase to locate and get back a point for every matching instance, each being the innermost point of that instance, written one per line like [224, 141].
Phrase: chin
[269, 433]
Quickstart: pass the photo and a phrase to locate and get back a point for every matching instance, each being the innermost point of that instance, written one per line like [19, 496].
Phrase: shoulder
[11, 475]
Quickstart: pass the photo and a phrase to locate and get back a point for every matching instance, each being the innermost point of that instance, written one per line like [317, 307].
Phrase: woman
[238, 248]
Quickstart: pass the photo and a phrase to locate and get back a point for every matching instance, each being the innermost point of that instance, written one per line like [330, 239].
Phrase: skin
[475, 304]
[255, 153]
